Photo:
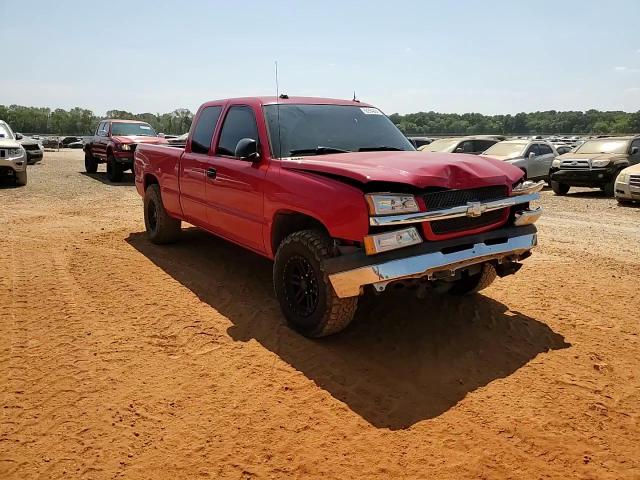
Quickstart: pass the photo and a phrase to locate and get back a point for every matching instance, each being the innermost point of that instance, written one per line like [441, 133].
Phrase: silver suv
[13, 158]
[533, 157]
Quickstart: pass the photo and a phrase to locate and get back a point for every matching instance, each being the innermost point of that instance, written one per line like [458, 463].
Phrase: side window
[238, 124]
[100, 128]
[105, 129]
[544, 149]
[203, 131]
[465, 147]
[636, 143]
[482, 145]
[532, 149]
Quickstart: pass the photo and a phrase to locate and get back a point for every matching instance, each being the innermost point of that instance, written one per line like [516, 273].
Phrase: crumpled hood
[9, 143]
[138, 139]
[420, 169]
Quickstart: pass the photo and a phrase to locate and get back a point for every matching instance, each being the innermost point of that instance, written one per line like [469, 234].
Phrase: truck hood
[138, 139]
[592, 156]
[420, 169]
[634, 169]
[9, 143]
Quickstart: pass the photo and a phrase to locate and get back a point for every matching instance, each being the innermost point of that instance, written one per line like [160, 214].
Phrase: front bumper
[349, 273]
[595, 177]
[34, 155]
[625, 191]
[15, 165]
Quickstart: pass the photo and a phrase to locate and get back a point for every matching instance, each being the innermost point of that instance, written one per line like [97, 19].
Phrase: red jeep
[114, 144]
[337, 196]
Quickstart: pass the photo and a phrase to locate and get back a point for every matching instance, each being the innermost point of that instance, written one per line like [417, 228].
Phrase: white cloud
[620, 69]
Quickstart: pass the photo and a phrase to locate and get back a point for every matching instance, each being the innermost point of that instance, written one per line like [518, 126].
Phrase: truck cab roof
[272, 100]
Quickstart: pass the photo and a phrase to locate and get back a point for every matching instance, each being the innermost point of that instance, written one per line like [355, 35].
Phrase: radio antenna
[278, 111]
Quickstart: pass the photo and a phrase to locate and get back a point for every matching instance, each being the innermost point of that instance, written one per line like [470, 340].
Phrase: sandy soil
[119, 358]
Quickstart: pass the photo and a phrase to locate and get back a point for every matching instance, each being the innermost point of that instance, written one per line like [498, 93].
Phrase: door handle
[211, 173]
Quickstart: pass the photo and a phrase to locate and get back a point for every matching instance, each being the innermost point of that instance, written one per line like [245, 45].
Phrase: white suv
[13, 158]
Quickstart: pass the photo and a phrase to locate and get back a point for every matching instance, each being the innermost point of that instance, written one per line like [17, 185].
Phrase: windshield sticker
[144, 127]
[370, 111]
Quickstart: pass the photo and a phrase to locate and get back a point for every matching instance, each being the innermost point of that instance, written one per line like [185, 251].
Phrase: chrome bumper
[348, 283]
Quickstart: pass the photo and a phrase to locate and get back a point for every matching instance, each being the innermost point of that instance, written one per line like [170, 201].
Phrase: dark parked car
[33, 147]
[420, 141]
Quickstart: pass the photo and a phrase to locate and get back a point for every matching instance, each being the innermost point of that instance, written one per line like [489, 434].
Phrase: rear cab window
[204, 129]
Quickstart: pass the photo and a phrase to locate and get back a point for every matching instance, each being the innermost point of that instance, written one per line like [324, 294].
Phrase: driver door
[234, 188]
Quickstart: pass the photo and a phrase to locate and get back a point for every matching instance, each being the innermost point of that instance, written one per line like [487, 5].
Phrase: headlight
[40, 146]
[556, 163]
[14, 152]
[125, 147]
[600, 163]
[623, 178]
[389, 204]
[384, 242]
[527, 187]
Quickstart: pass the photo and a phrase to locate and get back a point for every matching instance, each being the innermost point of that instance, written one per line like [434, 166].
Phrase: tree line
[80, 121]
[549, 122]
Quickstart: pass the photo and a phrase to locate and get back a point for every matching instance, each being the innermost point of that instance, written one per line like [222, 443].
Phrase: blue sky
[460, 56]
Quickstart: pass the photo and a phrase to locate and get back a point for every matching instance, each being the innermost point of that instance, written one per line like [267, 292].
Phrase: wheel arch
[286, 222]
[150, 179]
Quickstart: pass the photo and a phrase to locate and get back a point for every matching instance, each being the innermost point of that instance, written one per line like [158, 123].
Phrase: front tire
[609, 189]
[559, 188]
[114, 170]
[90, 163]
[161, 227]
[307, 298]
[21, 178]
[474, 283]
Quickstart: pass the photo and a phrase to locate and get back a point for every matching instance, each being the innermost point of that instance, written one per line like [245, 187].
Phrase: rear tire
[161, 227]
[114, 170]
[307, 298]
[559, 188]
[21, 178]
[90, 163]
[474, 283]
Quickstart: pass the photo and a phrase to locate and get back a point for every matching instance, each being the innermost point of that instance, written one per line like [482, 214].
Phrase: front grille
[460, 224]
[634, 180]
[457, 198]
[575, 165]
[33, 146]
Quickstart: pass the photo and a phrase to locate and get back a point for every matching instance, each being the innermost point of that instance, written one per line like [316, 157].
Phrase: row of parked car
[608, 163]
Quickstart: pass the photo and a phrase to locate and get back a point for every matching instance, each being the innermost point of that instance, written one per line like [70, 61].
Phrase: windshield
[608, 145]
[5, 132]
[138, 129]
[319, 129]
[503, 149]
[442, 145]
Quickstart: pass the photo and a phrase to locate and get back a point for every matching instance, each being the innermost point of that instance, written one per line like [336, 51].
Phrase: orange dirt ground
[121, 359]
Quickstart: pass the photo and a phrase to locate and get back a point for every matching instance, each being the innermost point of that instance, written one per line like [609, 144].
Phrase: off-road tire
[559, 188]
[161, 227]
[21, 178]
[331, 314]
[474, 283]
[90, 163]
[624, 201]
[114, 169]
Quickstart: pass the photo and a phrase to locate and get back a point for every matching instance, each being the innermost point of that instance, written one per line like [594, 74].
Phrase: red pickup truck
[338, 197]
[114, 144]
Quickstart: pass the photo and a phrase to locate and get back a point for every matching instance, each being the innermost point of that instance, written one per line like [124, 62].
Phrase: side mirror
[458, 150]
[634, 150]
[247, 149]
[20, 137]
[531, 154]
[161, 135]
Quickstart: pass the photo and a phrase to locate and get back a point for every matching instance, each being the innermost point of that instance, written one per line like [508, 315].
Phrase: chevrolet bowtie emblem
[475, 209]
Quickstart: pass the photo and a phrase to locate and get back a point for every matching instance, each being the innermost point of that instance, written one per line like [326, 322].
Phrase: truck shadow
[401, 361]
[127, 179]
